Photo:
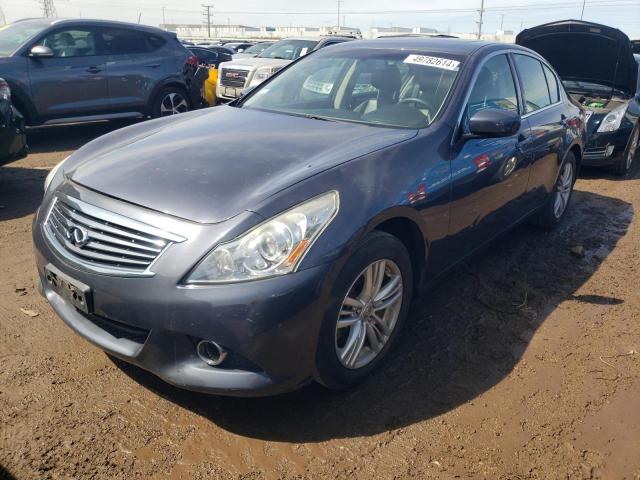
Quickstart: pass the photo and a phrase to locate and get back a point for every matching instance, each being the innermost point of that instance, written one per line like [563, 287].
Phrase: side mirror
[494, 122]
[40, 51]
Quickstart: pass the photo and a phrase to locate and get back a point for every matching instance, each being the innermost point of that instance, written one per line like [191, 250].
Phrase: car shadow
[5, 474]
[64, 138]
[463, 336]
[597, 173]
[21, 191]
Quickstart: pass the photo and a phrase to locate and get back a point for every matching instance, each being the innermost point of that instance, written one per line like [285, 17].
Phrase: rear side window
[155, 42]
[494, 87]
[534, 83]
[75, 42]
[552, 82]
[120, 41]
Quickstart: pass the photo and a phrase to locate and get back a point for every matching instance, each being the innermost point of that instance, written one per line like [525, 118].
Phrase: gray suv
[63, 71]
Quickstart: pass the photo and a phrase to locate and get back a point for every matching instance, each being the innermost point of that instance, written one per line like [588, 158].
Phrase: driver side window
[494, 87]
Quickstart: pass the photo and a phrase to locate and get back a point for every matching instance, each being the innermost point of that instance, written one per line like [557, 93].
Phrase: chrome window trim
[119, 220]
[516, 75]
[474, 78]
[546, 107]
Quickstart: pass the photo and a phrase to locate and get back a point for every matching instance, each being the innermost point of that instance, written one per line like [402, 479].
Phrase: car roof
[92, 22]
[453, 46]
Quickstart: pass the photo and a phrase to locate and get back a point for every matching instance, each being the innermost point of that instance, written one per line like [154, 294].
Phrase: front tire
[369, 303]
[554, 209]
[623, 166]
[170, 101]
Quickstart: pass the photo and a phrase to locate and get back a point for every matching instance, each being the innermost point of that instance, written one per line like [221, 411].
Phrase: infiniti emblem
[77, 235]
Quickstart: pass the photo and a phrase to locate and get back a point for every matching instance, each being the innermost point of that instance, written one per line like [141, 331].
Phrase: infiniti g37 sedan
[252, 265]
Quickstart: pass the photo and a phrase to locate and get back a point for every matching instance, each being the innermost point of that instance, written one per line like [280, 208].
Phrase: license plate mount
[73, 291]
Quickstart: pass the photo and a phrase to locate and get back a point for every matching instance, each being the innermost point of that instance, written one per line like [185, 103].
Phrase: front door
[489, 174]
[73, 82]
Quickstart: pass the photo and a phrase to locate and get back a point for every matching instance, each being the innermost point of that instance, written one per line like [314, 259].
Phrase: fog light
[211, 353]
[609, 150]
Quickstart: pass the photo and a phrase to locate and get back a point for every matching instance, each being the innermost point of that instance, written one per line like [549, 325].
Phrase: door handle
[153, 65]
[94, 69]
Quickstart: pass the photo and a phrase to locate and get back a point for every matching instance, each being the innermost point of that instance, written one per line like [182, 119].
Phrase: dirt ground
[523, 363]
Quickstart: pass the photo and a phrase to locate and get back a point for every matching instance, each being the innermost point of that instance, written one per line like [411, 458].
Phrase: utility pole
[3, 20]
[582, 13]
[207, 15]
[339, 2]
[481, 11]
[502, 22]
[163, 20]
[48, 8]
[139, 17]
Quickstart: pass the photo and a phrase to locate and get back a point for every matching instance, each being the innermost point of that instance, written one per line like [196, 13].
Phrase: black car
[13, 140]
[63, 71]
[253, 265]
[598, 68]
[212, 56]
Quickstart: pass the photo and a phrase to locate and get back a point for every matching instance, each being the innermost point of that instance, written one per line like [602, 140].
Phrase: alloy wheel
[369, 314]
[172, 104]
[563, 189]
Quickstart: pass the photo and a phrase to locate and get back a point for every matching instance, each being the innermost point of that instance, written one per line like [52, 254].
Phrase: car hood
[585, 51]
[210, 165]
[255, 62]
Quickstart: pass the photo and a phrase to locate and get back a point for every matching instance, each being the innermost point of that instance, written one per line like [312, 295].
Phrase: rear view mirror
[40, 51]
[494, 122]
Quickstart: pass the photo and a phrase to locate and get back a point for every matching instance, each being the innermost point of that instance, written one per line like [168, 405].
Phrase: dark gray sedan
[251, 248]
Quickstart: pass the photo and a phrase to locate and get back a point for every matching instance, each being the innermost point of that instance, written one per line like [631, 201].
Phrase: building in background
[200, 32]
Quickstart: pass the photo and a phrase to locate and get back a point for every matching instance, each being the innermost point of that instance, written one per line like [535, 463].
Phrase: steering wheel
[419, 101]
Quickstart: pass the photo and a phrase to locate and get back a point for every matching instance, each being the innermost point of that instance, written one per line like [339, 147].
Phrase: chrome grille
[103, 241]
[599, 152]
[231, 77]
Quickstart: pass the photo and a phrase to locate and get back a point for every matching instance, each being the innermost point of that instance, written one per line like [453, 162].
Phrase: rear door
[136, 61]
[544, 111]
[73, 82]
[489, 174]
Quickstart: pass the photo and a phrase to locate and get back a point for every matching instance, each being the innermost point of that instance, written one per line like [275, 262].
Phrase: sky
[455, 16]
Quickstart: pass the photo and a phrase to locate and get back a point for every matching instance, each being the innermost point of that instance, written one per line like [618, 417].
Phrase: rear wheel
[557, 203]
[623, 166]
[369, 303]
[170, 101]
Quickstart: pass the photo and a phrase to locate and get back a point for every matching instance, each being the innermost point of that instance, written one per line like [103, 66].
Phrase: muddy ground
[523, 363]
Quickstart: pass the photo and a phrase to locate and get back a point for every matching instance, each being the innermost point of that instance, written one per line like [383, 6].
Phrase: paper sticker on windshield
[437, 62]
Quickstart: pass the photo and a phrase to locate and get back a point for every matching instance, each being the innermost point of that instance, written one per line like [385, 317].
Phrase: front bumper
[269, 327]
[606, 148]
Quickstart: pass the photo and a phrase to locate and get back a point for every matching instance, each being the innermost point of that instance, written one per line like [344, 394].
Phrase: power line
[481, 12]
[207, 15]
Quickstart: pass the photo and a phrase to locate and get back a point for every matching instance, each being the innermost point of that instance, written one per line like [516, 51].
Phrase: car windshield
[579, 86]
[257, 48]
[377, 87]
[288, 49]
[13, 36]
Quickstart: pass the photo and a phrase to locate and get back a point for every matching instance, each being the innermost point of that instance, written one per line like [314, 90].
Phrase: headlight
[261, 75]
[611, 122]
[274, 247]
[52, 174]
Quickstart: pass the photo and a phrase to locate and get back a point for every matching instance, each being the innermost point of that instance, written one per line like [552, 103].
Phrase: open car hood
[585, 51]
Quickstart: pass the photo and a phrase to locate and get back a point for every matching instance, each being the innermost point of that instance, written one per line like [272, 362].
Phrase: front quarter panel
[409, 180]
